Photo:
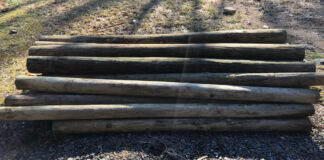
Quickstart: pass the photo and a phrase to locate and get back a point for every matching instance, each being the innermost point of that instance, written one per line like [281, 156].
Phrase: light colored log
[221, 50]
[166, 89]
[298, 80]
[230, 36]
[113, 111]
[82, 99]
[216, 125]
[124, 65]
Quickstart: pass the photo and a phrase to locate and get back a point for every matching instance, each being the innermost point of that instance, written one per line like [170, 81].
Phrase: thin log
[40, 43]
[217, 125]
[82, 99]
[113, 111]
[221, 51]
[49, 65]
[231, 36]
[297, 80]
[166, 89]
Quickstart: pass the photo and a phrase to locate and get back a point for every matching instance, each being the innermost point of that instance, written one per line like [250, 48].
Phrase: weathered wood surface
[166, 89]
[139, 125]
[236, 36]
[297, 80]
[49, 65]
[222, 50]
[82, 99]
[113, 111]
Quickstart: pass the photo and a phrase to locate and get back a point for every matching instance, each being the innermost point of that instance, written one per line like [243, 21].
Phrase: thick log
[231, 36]
[222, 50]
[49, 65]
[113, 111]
[81, 99]
[297, 80]
[139, 125]
[166, 89]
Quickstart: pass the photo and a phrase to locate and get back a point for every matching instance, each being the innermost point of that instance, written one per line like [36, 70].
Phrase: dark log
[166, 89]
[124, 65]
[81, 99]
[216, 125]
[231, 36]
[221, 51]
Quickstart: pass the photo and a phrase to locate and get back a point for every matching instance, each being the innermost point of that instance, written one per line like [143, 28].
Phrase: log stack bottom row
[243, 80]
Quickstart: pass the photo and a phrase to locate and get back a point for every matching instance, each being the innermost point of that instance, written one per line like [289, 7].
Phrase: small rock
[319, 61]
[13, 31]
[265, 26]
[100, 19]
[229, 11]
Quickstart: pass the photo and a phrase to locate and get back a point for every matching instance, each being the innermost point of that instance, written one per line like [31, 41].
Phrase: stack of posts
[244, 80]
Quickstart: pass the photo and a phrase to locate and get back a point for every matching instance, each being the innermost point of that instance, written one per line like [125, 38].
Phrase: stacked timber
[244, 80]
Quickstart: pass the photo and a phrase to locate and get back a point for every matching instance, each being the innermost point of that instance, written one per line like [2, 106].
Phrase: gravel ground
[34, 140]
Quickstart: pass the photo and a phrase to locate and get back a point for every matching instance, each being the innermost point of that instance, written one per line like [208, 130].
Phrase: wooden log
[297, 80]
[236, 36]
[222, 50]
[40, 43]
[217, 125]
[113, 111]
[81, 99]
[166, 89]
[49, 65]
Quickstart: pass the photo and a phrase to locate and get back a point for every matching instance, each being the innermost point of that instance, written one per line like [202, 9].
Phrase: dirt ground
[303, 19]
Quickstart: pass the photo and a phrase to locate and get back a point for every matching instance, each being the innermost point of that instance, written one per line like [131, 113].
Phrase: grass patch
[235, 18]
[313, 55]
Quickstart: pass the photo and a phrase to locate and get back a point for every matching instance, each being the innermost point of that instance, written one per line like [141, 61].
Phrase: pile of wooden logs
[244, 80]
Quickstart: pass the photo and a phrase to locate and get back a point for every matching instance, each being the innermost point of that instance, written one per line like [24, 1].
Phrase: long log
[81, 99]
[113, 111]
[236, 36]
[166, 89]
[139, 125]
[222, 50]
[297, 80]
[49, 65]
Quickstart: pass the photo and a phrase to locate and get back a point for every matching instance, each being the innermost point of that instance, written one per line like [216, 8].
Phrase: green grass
[235, 18]
[313, 55]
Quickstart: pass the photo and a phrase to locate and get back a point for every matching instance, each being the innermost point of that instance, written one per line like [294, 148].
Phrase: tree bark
[166, 89]
[221, 51]
[113, 111]
[231, 36]
[140, 125]
[296, 80]
[124, 65]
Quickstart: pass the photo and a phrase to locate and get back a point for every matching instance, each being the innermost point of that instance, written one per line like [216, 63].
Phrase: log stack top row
[240, 80]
